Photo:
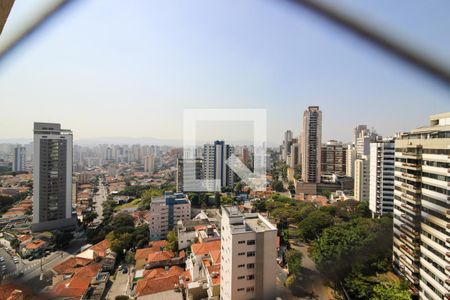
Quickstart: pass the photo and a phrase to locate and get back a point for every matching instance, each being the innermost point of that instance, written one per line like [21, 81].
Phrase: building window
[250, 242]
[250, 266]
[251, 253]
[251, 277]
[240, 289]
[241, 266]
[241, 242]
[240, 277]
[250, 289]
[241, 253]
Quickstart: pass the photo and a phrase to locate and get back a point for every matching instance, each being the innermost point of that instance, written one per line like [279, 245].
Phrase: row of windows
[249, 253]
[435, 176]
[436, 164]
[249, 289]
[249, 266]
[249, 277]
[435, 189]
[436, 201]
[436, 151]
[249, 242]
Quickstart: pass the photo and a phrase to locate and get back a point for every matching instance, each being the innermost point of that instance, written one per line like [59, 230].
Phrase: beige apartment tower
[52, 178]
[421, 208]
[311, 144]
[248, 256]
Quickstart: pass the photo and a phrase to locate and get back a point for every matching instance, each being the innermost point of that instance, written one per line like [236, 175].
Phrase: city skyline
[132, 80]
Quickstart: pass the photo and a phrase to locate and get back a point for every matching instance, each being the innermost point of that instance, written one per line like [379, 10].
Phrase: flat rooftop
[249, 221]
[258, 223]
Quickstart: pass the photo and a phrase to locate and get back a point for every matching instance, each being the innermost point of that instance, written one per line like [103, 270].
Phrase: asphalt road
[9, 263]
[34, 277]
[99, 198]
[312, 285]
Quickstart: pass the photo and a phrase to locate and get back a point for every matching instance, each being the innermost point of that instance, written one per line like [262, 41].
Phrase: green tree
[15, 243]
[312, 226]
[140, 237]
[120, 242]
[294, 261]
[129, 258]
[360, 242]
[277, 186]
[89, 217]
[122, 222]
[172, 241]
[388, 290]
[239, 187]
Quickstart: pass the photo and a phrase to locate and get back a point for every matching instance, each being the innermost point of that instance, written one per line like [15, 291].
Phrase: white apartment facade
[350, 161]
[248, 256]
[421, 208]
[381, 191]
[361, 179]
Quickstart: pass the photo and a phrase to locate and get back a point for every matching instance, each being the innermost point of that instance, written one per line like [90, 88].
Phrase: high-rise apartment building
[215, 167]
[421, 208]
[357, 132]
[188, 172]
[294, 157]
[287, 142]
[333, 158]
[52, 177]
[363, 141]
[19, 159]
[361, 179]
[166, 211]
[381, 191]
[311, 144]
[149, 163]
[248, 256]
[350, 161]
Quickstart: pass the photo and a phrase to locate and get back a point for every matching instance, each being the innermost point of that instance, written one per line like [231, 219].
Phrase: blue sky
[109, 68]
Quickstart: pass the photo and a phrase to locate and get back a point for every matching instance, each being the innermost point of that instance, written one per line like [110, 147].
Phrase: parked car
[15, 259]
[125, 270]
[2, 259]
[120, 268]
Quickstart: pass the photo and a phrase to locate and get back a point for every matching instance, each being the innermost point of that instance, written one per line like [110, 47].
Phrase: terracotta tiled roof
[215, 256]
[100, 248]
[205, 248]
[24, 237]
[76, 286]
[214, 272]
[153, 273]
[35, 244]
[157, 285]
[158, 244]
[10, 292]
[159, 256]
[144, 252]
[71, 265]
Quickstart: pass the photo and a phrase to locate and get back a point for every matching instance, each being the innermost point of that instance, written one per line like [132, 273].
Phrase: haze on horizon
[110, 69]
